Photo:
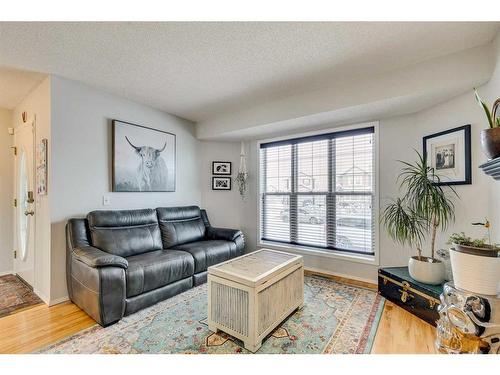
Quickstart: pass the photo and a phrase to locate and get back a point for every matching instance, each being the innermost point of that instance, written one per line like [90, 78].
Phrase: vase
[426, 270]
[490, 142]
[476, 269]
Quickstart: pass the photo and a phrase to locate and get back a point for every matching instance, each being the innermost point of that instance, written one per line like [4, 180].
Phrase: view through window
[318, 191]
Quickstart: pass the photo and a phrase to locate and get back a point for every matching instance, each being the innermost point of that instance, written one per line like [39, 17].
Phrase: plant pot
[490, 142]
[476, 269]
[426, 270]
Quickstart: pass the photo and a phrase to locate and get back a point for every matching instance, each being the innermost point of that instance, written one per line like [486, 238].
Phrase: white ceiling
[15, 85]
[199, 70]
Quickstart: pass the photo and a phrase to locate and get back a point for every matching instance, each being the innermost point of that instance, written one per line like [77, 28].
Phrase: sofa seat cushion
[155, 269]
[208, 253]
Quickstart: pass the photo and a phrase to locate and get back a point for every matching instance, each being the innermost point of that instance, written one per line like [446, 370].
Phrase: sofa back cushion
[179, 225]
[125, 233]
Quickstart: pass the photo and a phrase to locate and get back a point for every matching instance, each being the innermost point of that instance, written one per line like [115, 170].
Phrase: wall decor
[221, 167]
[242, 176]
[143, 158]
[41, 167]
[221, 183]
[449, 152]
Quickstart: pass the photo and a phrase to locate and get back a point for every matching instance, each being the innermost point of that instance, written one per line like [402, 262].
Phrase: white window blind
[318, 191]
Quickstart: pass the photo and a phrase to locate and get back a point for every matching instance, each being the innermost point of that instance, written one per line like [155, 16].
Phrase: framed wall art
[41, 167]
[449, 153]
[143, 158]
[221, 183]
[221, 167]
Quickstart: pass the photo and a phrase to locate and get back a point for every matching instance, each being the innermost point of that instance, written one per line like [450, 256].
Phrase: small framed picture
[221, 167]
[221, 183]
[449, 153]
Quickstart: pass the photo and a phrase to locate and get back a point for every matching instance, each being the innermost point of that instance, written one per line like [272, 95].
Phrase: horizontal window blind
[318, 191]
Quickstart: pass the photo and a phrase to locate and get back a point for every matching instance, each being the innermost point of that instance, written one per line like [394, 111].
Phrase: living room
[249, 187]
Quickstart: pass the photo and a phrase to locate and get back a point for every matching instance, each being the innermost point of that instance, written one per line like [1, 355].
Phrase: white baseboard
[42, 296]
[326, 272]
[57, 301]
[3, 273]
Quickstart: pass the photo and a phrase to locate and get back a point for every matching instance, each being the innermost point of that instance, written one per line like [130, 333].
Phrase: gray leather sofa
[119, 262]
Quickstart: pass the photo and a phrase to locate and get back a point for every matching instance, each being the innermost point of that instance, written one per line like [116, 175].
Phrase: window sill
[304, 250]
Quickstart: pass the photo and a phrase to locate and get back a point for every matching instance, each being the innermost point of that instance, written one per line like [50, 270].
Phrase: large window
[318, 191]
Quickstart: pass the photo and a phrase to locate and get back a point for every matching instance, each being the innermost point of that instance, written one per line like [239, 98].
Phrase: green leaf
[485, 108]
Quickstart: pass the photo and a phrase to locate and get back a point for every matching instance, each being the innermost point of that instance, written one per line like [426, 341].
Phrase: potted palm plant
[490, 138]
[424, 208]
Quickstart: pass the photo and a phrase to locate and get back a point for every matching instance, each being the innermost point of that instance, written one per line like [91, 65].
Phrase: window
[318, 191]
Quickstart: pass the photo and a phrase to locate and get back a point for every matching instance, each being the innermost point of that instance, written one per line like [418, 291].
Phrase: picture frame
[144, 158]
[449, 153]
[221, 168]
[42, 167]
[221, 183]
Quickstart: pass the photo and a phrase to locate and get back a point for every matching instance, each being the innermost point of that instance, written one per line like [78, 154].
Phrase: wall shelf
[492, 168]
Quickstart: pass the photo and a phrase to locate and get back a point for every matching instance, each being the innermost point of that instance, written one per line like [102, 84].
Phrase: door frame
[30, 122]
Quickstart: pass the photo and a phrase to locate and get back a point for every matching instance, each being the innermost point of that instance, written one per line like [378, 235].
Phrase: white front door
[24, 261]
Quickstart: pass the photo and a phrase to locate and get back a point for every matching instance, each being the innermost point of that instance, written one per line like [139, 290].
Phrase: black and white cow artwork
[144, 159]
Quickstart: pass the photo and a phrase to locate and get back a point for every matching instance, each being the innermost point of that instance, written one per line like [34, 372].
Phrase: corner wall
[6, 193]
[37, 103]
[82, 161]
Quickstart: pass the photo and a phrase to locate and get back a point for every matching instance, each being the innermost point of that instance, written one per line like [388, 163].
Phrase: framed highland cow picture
[143, 158]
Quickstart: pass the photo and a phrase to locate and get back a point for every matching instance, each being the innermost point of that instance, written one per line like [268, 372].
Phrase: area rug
[15, 295]
[336, 318]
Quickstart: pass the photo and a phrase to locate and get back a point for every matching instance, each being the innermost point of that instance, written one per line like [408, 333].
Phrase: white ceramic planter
[426, 271]
[475, 273]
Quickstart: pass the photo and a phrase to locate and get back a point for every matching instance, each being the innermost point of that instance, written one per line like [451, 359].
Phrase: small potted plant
[475, 263]
[490, 138]
[424, 208]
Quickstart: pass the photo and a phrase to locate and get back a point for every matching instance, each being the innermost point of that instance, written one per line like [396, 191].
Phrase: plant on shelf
[490, 138]
[424, 208]
[462, 240]
[475, 263]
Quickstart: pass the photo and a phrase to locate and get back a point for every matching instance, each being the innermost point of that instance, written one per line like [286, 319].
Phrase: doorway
[16, 290]
[24, 203]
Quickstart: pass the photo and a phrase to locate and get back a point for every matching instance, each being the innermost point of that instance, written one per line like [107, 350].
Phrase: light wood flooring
[26, 331]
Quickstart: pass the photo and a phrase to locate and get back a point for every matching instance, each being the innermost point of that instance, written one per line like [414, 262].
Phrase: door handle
[31, 213]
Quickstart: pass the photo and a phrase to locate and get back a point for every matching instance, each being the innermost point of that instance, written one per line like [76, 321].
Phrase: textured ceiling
[15, 85]
[198, 70]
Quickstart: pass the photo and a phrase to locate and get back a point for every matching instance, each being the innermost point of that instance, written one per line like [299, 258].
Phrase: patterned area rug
[336, 318]
[15, 295]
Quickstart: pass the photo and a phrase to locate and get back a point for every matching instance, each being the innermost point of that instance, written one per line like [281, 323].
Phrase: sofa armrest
[95, 258]
[223, 234]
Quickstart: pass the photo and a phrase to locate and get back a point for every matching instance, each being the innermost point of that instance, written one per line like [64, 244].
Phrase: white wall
[224, 208]
[37, 103]
[6, 192]
[82, 154]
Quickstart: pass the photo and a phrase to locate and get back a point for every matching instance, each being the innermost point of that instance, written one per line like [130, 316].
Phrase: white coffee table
[251, 295]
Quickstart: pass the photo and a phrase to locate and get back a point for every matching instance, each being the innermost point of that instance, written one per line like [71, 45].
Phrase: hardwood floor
[35, 328]
[26, 331]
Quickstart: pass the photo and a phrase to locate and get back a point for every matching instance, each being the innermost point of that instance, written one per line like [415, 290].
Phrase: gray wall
[81, 161]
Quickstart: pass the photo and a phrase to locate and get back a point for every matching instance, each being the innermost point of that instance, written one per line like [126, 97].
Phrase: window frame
[359, 257]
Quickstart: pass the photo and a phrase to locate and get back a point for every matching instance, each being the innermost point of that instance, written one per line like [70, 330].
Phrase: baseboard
[3, 273]
[57, 301]
[345, 276]
[42, 296]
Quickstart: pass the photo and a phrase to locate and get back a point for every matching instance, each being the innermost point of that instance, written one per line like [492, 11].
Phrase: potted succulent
[424, 208]
[475, 263]
[490, 138]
